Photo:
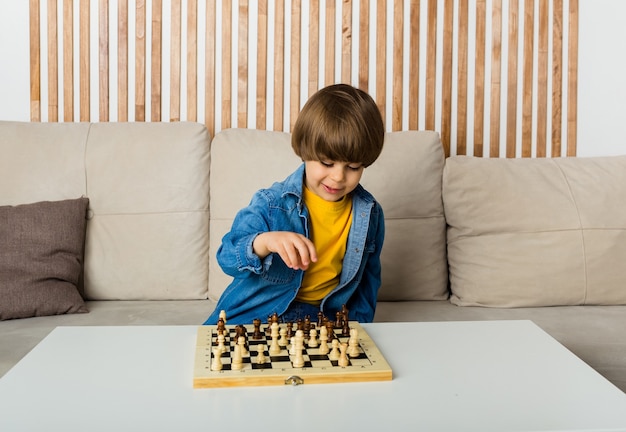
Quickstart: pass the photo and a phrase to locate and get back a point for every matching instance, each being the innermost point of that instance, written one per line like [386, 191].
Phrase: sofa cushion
[41, 258]
[406, 180]
[148, 234]
[536, 232]
[148, 185]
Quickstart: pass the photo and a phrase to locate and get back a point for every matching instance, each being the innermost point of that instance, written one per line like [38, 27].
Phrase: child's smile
[332, 191]
[332, 180]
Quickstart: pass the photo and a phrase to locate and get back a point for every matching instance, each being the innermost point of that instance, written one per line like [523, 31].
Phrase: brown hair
[339, 123]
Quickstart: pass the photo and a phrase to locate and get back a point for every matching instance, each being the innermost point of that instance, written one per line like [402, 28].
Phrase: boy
[312, 242]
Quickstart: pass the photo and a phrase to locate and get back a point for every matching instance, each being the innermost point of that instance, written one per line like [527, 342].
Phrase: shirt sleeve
[235, 254]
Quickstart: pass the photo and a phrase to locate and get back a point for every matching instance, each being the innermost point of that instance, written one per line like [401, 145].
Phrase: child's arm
[296, 250]
[256, 233]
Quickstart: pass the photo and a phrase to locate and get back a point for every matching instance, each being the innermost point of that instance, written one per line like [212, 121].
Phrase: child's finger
[306, 252]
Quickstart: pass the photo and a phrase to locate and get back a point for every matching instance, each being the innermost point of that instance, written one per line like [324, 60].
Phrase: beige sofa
[467, 238]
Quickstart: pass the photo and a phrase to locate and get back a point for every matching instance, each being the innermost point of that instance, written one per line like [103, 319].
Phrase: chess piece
[237, 360]
[320, 319]
[283, 341]
[221, 326]
[345, 329]
[260, 357]
[269, 325]
[256, 335]
[313, 339]
[353, 343]
[343, 356]
[216, 364]
[345, 313]
[241, 341]
[292, 346]
[275, 318]
[298, 361]
[222, 316]
[323, 349]
[330, 333]
[221, 342]
[274, 347]
[271, 319]
[334, 353]
[239, 331]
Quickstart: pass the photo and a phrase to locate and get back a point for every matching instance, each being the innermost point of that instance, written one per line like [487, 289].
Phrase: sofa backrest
[406, 180]
[149, 235]
[148, 188]
[536, 232]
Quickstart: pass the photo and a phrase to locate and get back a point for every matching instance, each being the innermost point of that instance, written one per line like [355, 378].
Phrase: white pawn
[323, 349]
[237, 361]
[261, 358]
[353, 343]
[334, 353]
[221, 342]
[216, 364]
[313, 339]
[283, 337]
[222, 315]
[343, 357]
[292, 346]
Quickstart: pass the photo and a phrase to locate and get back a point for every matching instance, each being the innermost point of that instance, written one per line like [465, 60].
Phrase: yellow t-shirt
[329, 224]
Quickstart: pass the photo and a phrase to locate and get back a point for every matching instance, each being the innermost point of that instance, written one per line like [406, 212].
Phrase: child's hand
[296, 250]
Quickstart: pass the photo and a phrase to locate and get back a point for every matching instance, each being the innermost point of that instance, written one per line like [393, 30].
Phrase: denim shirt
[262, 287]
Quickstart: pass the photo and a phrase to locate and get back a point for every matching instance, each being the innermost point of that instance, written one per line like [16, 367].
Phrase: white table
[451, 376]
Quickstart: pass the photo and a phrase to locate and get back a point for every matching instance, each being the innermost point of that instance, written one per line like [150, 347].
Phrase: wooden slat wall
[84, 63]
[511, 107]
[122, 60]
[53, 57]
[429, 64]
[140, 61]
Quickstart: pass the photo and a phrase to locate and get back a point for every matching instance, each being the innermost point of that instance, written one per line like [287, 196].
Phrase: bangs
[337, 142]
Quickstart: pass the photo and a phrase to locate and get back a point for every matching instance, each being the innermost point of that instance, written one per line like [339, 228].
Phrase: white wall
[602, 72]
[14, 72]
[602, 78]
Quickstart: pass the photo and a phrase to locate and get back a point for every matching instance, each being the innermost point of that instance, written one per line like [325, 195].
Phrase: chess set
[286, 353]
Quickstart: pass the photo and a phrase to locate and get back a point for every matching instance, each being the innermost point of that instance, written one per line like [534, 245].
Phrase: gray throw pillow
[41, 258]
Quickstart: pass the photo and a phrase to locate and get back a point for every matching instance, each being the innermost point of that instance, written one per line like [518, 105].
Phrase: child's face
[332, 180]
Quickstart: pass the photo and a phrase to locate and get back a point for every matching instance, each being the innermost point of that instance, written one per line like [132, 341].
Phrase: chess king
[312, 241]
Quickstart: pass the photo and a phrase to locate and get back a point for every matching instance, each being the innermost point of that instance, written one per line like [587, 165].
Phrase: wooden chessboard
[368, 365]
